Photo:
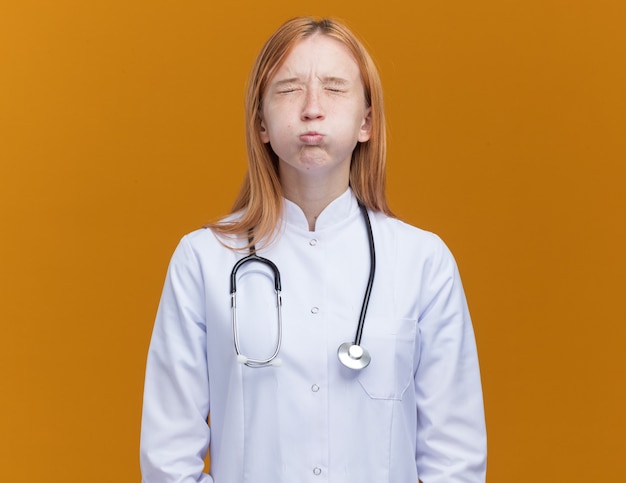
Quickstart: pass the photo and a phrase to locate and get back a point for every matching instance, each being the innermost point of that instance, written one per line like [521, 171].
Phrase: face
[313, 111]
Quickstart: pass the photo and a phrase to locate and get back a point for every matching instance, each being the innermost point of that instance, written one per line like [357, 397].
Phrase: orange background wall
[121, 129]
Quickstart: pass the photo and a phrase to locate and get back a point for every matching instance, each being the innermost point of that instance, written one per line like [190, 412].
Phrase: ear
[365, 132]
[263, 134]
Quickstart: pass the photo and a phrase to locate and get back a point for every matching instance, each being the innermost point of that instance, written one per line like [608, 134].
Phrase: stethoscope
[351, 354]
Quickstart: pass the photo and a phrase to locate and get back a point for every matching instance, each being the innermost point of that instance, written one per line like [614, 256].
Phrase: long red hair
[259, 205]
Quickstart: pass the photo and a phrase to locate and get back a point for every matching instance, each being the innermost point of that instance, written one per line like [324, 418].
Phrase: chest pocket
[391, 344]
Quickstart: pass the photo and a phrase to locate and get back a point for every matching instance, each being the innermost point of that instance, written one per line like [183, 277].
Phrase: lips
[312, 137]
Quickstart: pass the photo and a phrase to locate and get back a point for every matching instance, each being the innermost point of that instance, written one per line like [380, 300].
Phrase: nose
[312, 108]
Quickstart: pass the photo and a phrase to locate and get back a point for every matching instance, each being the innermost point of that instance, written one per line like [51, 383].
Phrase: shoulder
[210, 235]
[199, 237]
[197, 240]
[414, 249]
[204, 243]
[418, 255]
[409, 237]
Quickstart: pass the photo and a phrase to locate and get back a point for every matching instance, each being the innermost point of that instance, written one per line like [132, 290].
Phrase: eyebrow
[335, 80]
[325, 80]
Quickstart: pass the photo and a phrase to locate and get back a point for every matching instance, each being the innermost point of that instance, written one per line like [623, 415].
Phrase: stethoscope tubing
[352, 355]
[370, 280]
[253, 257]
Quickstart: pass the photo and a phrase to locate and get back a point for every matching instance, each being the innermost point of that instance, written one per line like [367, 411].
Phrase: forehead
[319, 55]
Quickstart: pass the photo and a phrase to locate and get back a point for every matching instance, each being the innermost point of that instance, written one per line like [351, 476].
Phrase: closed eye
[335, 84]
[287, 90]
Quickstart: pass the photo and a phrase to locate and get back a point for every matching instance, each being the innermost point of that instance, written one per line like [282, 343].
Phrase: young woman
[328, 340]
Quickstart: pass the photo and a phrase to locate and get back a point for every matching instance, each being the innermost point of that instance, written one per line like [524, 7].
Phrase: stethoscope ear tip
[243, 360]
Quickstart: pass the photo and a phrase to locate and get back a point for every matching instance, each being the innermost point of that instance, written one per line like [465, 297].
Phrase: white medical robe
[415, 412]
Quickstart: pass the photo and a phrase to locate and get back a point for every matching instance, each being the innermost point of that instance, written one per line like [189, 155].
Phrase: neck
[312, 195]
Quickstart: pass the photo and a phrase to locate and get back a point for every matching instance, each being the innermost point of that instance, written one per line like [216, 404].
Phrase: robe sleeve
[174, 431]
[451, 434]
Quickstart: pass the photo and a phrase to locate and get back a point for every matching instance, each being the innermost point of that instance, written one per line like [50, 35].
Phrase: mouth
[312, 138]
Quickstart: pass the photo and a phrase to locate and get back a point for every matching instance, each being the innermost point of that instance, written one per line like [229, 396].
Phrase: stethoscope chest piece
[353, 356]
